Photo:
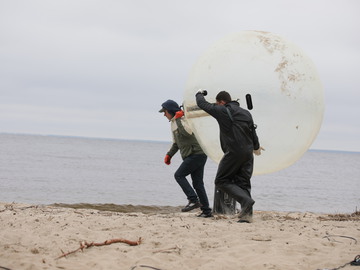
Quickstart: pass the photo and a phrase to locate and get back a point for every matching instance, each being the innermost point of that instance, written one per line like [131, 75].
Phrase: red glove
[179, 114]
[167, 160]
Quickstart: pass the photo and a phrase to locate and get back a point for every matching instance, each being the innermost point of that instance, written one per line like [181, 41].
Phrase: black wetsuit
[238, 140]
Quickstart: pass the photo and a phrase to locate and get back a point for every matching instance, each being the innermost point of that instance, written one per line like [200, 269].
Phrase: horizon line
[138, 140]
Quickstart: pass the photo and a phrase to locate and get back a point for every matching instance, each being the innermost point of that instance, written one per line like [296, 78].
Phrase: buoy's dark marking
[249, 102]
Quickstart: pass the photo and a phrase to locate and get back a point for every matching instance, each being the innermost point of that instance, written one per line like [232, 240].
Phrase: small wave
[123, 208]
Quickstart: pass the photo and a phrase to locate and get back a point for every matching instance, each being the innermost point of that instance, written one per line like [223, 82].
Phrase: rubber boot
[241, 196]
[250, 212]
[223, 203]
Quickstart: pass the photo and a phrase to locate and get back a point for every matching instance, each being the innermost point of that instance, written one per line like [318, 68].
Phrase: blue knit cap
[171, 106]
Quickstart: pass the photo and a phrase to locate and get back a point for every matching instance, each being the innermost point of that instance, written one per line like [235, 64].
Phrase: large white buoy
[286, 93]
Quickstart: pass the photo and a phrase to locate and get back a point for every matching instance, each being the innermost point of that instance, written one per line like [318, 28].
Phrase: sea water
[50, 169]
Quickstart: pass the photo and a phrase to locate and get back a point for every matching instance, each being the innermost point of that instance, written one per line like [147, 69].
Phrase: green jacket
[183, 139]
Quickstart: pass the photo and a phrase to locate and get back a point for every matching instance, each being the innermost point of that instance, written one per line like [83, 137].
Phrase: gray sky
[103, 68]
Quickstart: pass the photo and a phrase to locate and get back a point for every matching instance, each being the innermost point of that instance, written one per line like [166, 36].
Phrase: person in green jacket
[193, 156]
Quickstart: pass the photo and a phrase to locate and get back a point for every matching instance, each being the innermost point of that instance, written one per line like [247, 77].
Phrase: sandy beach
[38, 237]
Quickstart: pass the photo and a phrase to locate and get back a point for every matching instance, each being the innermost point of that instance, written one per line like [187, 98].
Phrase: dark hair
[223, 95]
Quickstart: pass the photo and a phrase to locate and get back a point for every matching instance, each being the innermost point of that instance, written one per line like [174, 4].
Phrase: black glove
[203, 92]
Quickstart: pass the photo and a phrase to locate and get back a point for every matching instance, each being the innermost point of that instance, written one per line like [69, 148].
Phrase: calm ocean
[71, 170]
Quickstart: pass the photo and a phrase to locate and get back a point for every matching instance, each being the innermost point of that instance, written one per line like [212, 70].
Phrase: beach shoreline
[38, 236]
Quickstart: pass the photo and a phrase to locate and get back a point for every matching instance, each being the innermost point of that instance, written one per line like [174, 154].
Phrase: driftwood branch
[85, 245]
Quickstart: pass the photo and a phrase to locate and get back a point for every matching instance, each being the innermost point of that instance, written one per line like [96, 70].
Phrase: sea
[44, 170]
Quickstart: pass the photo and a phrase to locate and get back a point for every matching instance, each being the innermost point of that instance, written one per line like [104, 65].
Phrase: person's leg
[223, 202]
[198, 183]
[243, 175]
[240, 195]
[229, 180]
[227, 169]
[184, 170]
[242, 179]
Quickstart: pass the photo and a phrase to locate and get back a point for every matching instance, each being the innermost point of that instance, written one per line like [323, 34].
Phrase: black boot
[223, 203]
[240, 195]
[246, 213]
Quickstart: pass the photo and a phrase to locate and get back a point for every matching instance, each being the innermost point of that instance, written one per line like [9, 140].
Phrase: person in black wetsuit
[238, 141]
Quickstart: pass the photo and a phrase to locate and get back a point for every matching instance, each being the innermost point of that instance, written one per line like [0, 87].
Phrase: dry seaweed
[341, 217]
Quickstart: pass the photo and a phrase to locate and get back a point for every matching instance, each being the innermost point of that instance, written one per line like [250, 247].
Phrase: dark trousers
[233, 177]
[194, 166]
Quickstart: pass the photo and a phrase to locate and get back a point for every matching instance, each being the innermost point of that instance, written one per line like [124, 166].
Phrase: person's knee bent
[222, 185]
[179, 176]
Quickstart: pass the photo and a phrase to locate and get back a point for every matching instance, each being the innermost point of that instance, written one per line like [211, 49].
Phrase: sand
[34, 236]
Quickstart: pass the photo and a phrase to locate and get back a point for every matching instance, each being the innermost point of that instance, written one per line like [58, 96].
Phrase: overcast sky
[103, 68]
